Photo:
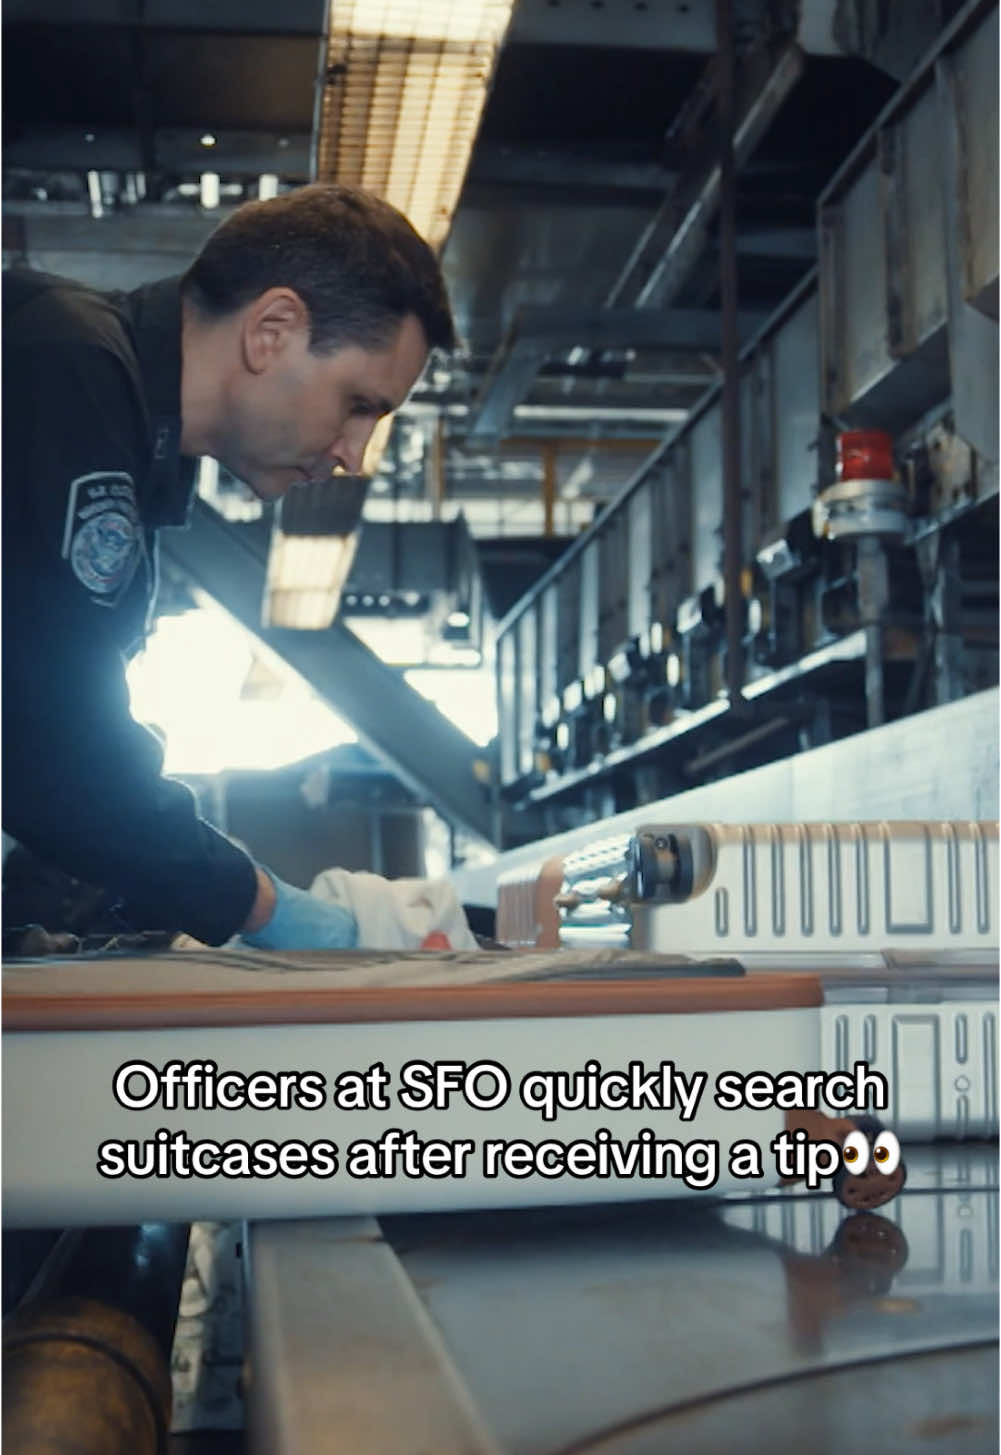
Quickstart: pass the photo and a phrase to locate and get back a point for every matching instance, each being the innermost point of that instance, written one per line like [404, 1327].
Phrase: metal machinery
[899, 920]
[857, 602]
[642, 664]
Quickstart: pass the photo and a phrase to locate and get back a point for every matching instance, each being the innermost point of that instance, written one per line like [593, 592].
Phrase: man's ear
[270, 323]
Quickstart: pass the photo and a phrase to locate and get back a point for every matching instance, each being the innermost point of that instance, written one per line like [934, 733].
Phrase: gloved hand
[300, 921]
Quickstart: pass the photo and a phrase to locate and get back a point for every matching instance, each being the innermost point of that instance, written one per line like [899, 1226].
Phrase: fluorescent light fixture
[610, 412]
[94, 192]
[208, 190]
[583, 414]
[313, 545]
[399, 511]
[306, 575]
[411, 80]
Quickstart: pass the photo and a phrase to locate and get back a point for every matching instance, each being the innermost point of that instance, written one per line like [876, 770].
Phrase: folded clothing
[398, 914]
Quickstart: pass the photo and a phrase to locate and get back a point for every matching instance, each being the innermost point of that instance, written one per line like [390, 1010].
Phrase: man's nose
[348, 449]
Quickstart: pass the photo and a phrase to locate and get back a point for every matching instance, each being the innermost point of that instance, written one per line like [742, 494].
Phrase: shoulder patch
[103, 536]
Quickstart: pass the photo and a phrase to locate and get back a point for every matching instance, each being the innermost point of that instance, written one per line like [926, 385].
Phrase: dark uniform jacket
[91, 469]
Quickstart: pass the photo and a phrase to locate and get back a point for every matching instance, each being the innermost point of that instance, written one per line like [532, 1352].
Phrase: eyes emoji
[885, 1152]
[855, 1151]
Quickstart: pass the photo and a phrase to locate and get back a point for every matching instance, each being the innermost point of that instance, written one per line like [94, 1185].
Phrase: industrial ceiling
[564, 156]
[592, 165]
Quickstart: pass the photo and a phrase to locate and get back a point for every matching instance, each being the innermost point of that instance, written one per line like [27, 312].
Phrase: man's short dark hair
[355, 261]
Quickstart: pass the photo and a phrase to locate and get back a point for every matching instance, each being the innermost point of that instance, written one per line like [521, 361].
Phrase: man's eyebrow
[376, 401]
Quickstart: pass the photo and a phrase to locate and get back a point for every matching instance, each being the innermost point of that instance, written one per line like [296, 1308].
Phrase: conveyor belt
[70, 1028]
[770, 1325]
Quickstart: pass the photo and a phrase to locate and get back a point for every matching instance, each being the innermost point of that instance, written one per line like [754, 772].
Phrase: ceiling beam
[563, 169]
[678, 235]
[538, 333]
[292, 17]
[892, 37]
[685, 28]
[237, 152]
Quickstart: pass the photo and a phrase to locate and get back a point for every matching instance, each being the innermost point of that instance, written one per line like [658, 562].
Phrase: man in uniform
[302, 321]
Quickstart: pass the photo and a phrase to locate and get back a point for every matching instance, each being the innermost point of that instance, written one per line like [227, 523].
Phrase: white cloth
[397, 914]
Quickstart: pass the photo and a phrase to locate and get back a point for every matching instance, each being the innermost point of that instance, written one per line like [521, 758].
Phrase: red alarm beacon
[867, 499]
[865, 454]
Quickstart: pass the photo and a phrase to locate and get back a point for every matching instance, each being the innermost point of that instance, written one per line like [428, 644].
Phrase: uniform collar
[156, 313]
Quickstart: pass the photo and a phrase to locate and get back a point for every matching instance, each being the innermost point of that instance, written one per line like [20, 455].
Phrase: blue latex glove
[302, 922]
